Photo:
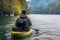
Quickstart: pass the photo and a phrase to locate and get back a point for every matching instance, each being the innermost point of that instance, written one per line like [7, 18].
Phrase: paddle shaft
[35, 29]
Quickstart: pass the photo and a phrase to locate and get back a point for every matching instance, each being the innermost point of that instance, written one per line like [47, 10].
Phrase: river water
[47, 24]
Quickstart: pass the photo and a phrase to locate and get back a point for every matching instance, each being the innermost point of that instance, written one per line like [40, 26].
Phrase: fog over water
[44, 6]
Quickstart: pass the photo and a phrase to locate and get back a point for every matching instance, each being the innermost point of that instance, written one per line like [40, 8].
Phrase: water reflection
[49, 26]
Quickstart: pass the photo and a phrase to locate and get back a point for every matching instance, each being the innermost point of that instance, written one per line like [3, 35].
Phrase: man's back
[27, 19]
[26, 25]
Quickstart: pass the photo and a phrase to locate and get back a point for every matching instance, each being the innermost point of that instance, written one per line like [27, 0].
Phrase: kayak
[21, 34]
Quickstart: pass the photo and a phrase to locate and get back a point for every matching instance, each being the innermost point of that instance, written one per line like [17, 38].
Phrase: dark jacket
[27, 18]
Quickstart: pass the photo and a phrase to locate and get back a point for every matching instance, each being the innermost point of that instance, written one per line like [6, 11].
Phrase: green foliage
[12, 6]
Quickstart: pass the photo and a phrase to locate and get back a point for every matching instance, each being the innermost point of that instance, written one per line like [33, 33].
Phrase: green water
[6, 23]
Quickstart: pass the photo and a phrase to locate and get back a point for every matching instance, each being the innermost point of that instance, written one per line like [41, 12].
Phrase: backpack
[21, 23]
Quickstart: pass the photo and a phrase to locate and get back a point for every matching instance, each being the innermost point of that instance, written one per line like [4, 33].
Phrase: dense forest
[12, 6]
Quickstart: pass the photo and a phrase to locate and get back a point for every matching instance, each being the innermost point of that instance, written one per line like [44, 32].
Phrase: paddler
[26, 24]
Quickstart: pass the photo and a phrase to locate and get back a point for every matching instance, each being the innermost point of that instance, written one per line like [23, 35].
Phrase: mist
[48, 6]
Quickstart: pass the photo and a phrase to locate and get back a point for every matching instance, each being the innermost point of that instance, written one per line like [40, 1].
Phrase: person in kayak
[23, 22]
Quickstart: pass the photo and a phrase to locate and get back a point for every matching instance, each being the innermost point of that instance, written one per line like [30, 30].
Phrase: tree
[12, 6]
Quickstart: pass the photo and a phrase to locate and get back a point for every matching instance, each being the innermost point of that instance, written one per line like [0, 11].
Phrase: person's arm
[29, 21]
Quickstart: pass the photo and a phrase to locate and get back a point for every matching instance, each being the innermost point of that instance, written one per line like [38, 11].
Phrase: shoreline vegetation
[8, 14]
[12, 7]
[12, 15]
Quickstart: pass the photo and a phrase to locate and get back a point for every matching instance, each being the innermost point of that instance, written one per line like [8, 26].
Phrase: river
[48, 24]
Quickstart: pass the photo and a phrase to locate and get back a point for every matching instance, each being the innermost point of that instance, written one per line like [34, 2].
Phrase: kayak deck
[14, 32]
[22, 34]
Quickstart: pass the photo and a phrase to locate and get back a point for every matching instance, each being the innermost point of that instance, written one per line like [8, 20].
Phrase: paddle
[37, 30]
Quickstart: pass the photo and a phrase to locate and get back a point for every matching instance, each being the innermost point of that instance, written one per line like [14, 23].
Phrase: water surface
[49, 26]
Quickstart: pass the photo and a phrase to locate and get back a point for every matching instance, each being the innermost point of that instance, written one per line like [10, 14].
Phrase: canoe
[21, 34]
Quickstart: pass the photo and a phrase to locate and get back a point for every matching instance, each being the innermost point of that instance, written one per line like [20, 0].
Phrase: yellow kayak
[22, 34]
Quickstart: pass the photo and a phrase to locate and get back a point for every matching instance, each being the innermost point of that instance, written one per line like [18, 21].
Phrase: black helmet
[23, 11]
